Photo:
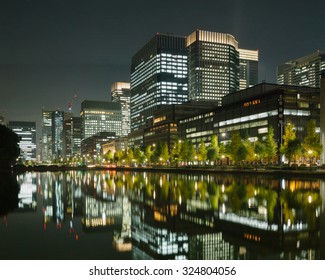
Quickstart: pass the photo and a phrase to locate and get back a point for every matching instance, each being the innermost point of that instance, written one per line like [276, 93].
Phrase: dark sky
[51, 50]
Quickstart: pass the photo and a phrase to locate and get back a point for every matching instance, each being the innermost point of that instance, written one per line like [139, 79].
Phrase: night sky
[51, 50]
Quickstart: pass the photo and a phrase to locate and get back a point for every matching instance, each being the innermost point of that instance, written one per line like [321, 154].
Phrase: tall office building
[57, 134]
[304, 71]
[248, 68]
[217, 66]
[100, 116]
[158, 77]
[46, 135]
[120, 92]
[213, 65]
[27, 134]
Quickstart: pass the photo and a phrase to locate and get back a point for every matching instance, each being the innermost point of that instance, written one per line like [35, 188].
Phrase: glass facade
[100, 116]
[304, 71]
[253, 110]
[120, 92]
[248, 68]
[213, 65]
[46, 135]
[27, 134]
[57, 134]
[158, 77]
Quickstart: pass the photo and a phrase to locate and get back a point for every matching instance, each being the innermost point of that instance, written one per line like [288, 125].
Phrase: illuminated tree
[311, 146]
[202, 152]
[270, 145]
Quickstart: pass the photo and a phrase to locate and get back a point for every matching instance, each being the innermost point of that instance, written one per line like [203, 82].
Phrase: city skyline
[51, 52]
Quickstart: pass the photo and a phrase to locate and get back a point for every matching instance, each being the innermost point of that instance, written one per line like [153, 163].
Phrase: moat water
[141, 215]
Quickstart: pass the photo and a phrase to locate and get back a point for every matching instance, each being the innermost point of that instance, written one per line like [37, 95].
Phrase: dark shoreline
[297, 173]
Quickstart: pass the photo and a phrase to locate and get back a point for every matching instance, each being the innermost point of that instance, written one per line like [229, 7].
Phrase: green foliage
[202, 152]
[312, 147]
[9, 149]
[290, 146]
[164, 153]
[235, 148]
[270, 145]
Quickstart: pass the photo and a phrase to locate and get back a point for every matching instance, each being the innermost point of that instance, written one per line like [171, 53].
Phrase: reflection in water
[178, 216]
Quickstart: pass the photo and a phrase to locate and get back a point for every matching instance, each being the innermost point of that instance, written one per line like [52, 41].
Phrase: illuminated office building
[158, 77]
[121, 93]
[100, 116]
[248, 68]
[26, 131]
[57, 134]
[304, 71]
[217, 66]
[213, 65]
[72, 136]
[253, 110]
[46, 135]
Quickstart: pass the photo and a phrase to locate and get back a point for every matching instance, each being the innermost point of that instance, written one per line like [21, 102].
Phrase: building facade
[46, 141]
[26, 131]
[252, 111]
[165, 122]
[248, 68]
[158, 77]
[217, 66]
[57, 134]
[92, 146]
[304, 71]
[121, 92]
[213, 65]
[100, 116]
[72, 136]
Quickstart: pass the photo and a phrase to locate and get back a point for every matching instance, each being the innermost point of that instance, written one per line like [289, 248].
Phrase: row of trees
[238, 150]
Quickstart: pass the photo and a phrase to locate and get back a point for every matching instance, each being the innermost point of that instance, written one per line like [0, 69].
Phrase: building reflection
[27, 195]
[185, 216]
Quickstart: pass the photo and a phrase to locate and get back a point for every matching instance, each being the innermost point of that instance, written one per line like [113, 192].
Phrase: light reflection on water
[115, 215]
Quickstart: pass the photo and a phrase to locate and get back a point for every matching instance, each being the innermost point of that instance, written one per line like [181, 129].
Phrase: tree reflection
[9, 190]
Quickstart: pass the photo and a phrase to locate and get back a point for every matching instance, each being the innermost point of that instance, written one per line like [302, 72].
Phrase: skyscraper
[217, 66]
[213, 65]
[27, 134]
[303, 71]
[46, 135]
[100, 116]
[248, 68]
[57, 134]
[121, 93]
[158, 77]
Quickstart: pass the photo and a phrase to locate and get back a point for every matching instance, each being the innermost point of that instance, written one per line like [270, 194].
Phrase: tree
[289, 136]
[9, 149]
[108, 156]
[202, 152]
[137, 154]
[187, 152]
[270, 145]
[233, 147]
[294, 150]
[176, 151]
[165, 153]
[148, 153]
[312, 147]
[213, 149]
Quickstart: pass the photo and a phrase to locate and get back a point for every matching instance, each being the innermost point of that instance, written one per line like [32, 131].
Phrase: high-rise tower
[213, 65]
[121, 93]
[304, 71]
[158, 77]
